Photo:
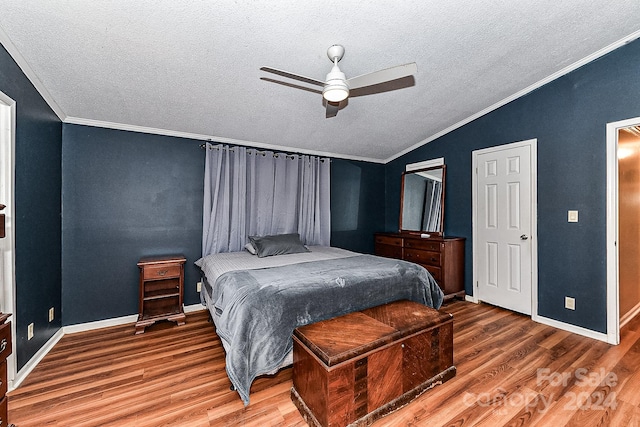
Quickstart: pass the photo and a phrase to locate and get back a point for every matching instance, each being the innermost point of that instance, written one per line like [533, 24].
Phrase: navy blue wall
[127, 195]
[568, 117]
[356, 204]
[37, 206]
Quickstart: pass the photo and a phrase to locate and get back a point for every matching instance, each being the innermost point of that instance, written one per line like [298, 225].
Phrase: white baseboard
[561, 325]
[194, 307]
[117, 321]
[572, 328]
[33, 362]
[99, 324]
[80, 327]
[629, 315]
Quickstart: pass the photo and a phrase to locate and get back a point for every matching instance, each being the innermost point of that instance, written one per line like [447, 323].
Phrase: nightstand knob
[3, 345]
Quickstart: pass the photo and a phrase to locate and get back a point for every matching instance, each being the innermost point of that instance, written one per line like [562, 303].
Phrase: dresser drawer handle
[162, 272]
[3, 345]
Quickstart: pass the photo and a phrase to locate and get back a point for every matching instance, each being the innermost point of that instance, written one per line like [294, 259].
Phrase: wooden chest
[356, 368]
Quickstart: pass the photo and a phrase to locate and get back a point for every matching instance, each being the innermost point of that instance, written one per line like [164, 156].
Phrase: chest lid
[346, 337]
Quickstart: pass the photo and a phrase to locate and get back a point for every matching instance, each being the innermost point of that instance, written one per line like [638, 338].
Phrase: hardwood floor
[511, 372]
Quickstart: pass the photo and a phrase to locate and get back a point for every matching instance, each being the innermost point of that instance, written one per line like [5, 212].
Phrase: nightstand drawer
[152, 272]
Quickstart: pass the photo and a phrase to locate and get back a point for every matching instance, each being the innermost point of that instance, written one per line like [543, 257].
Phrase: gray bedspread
[256, 311]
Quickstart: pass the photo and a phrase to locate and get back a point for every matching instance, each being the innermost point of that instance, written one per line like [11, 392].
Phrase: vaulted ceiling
[192, 67]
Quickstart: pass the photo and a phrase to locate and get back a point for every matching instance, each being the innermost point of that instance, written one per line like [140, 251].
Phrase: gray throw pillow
[279, 244]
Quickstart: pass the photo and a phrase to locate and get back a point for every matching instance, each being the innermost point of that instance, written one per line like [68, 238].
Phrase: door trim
[533, 144]
[7, 168]
[613, 284]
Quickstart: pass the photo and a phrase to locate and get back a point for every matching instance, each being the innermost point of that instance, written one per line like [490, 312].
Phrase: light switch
[573, 216]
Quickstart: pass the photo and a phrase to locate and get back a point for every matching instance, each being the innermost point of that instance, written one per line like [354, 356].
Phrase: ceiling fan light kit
[336, 85]
[335, 92]
[335, 88]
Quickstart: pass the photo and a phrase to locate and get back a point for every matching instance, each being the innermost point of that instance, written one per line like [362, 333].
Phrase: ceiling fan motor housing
[335, 51]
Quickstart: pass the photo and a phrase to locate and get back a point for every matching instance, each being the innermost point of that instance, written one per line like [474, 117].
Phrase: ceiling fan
[336, 86]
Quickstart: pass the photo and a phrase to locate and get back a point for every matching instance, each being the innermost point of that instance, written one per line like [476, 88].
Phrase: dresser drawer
[164, 271]
[436, 272]
[427, 245]
[422, 257]
[3, 378]
[5, 340]
[389, 251]
[389, 240]
[3, 412]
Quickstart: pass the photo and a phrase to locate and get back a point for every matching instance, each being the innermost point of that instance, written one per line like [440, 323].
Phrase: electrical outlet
[572, 216]
[570, 303]
[198, 286]
[51, 314]
[30, 331]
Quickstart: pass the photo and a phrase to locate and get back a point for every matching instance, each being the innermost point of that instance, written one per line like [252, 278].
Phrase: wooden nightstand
[161, 290]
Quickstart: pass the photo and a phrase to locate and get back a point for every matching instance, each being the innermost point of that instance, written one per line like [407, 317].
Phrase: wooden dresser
[443, 257]
[5, 351]
[161, 290]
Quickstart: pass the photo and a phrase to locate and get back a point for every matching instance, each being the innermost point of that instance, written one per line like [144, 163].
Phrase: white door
[7, 245]
[503, 228]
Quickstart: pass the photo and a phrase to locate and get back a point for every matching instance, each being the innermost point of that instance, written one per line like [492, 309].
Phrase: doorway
[7, 244]
[504, 226]
[623, 225]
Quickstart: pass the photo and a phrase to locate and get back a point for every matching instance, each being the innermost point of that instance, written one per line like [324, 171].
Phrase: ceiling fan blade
[295, 86]
[332, 109]
[292, 76]
[382, 76]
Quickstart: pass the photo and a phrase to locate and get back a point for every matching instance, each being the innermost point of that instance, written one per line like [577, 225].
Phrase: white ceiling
[192, 67]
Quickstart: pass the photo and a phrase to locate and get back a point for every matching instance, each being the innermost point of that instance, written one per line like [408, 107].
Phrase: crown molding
[33, 78]
[212, 138]
[607, 49]
[31, 75]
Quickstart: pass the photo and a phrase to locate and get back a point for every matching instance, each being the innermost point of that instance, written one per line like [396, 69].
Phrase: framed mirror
[422, 200]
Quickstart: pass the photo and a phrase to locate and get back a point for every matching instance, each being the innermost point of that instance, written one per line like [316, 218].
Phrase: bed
[257, 302]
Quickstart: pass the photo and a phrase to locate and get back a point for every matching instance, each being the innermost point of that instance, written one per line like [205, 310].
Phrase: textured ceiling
[192, 68]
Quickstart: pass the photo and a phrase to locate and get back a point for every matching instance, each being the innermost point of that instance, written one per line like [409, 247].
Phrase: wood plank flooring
[511, 372]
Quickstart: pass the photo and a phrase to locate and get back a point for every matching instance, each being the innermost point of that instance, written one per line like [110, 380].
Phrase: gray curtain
[249, 192]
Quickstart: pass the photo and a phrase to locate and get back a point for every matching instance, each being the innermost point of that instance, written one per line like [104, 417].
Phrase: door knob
[524, 237]
[2, 219]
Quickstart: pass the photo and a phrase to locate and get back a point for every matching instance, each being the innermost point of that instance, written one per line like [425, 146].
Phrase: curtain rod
[256, 151]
